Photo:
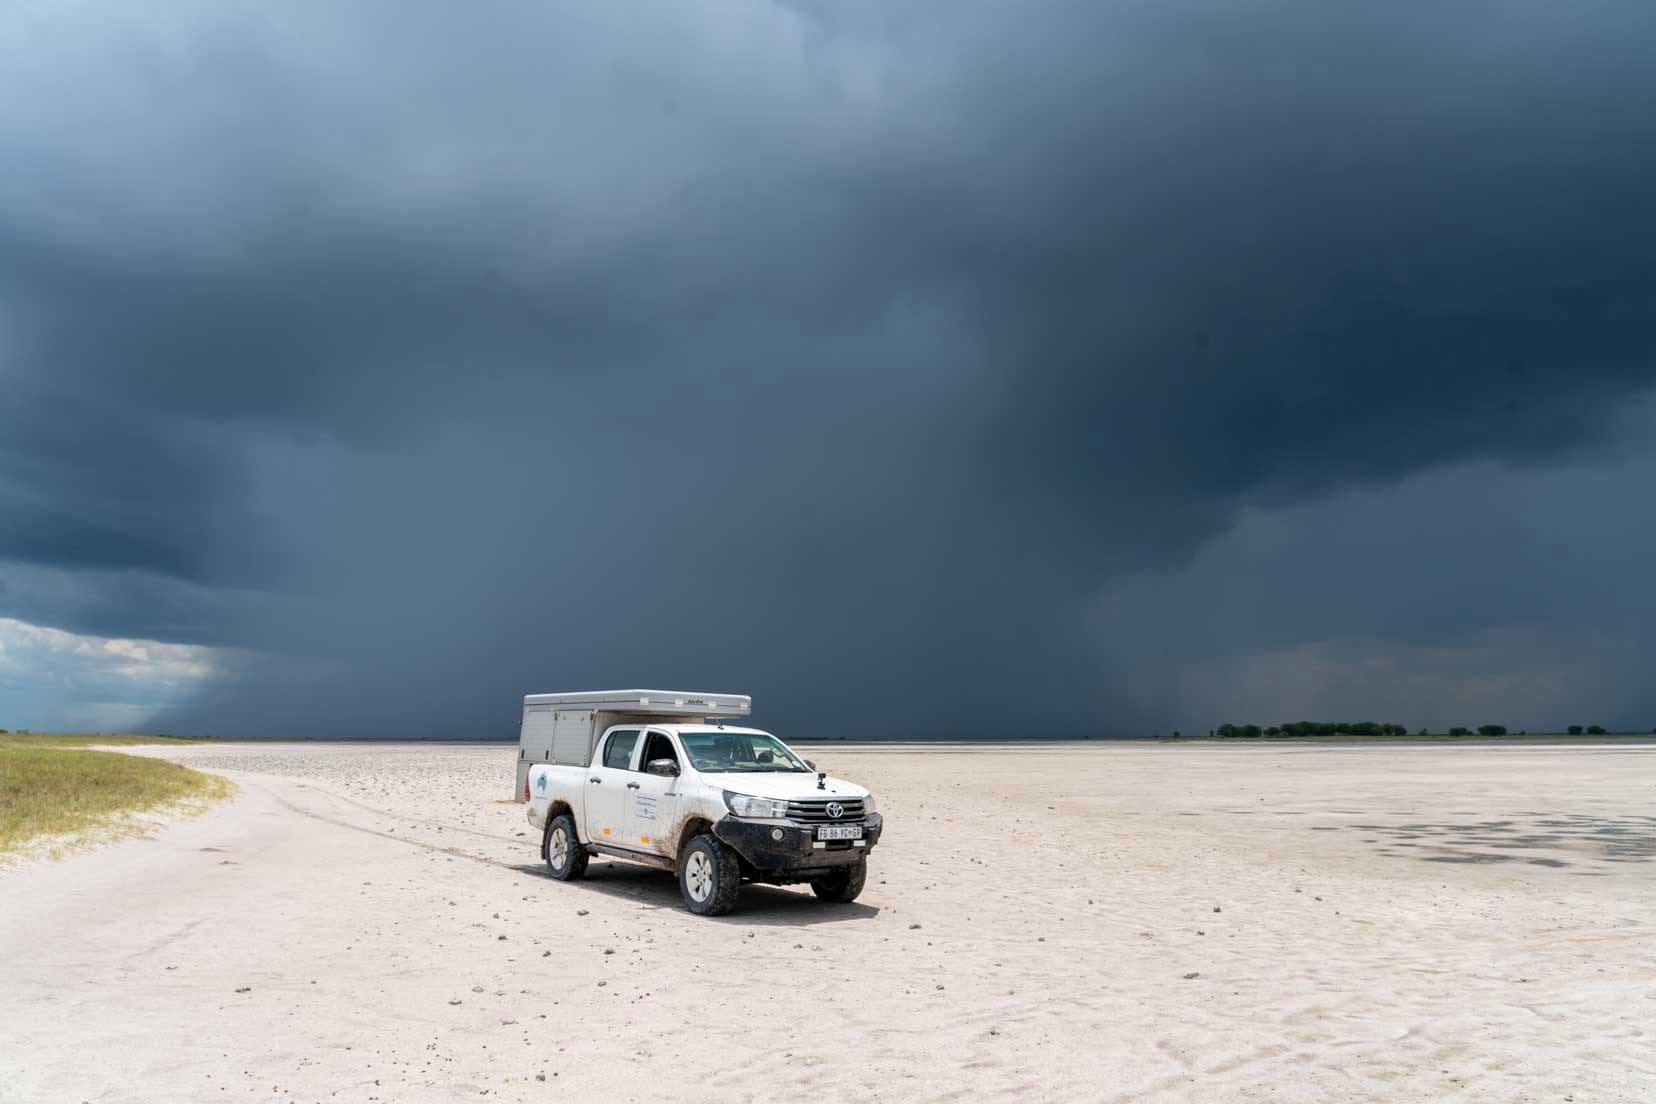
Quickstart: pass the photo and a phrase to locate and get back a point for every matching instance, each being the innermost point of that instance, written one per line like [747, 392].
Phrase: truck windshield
[738, 752]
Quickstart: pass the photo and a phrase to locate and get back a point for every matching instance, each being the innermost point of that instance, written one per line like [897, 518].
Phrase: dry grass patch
[56, 799]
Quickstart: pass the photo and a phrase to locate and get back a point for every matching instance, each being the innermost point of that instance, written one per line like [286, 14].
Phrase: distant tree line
[1365, 728]
[1310, 728]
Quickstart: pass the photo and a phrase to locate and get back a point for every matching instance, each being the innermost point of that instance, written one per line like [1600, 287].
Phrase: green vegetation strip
[83, 739]
[65, 796]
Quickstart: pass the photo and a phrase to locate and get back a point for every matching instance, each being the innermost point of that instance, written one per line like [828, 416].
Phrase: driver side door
[652, 800]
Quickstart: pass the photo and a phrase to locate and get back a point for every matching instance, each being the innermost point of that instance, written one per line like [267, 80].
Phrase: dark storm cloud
[801, 349]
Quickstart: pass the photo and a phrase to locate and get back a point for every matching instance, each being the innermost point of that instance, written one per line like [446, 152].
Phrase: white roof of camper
[689, 702]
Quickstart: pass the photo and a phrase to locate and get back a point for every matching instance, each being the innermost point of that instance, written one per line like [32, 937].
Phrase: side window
[657, 746]
[618, 751]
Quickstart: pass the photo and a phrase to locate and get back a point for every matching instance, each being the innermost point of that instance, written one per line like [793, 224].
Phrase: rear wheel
[566, 859]
[710, 876]
[843, 884]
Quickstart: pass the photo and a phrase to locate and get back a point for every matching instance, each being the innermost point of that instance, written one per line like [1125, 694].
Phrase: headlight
[744, 806]
[868, 804]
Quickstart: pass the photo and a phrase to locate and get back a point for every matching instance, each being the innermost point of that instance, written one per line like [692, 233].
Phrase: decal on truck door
[644, 809]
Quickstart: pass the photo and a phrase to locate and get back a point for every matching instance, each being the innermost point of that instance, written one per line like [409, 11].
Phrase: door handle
[632, 785]
[596, 781]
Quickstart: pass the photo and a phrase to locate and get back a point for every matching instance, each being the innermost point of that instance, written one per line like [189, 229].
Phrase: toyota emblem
[836, 810]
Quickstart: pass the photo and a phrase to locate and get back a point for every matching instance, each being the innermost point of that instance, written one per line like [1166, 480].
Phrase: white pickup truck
[661, 778]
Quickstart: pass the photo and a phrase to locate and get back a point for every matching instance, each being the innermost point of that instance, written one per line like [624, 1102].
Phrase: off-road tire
[712, 869]
[843, 885]
[575, 857]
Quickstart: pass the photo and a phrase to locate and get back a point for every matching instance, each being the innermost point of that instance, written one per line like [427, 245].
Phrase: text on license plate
[839, 831]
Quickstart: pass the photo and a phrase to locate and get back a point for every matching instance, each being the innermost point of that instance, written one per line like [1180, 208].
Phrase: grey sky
[993, 369]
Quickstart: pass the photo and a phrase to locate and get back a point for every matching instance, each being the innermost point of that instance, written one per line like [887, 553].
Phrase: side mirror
[667, 768]
[810, 764]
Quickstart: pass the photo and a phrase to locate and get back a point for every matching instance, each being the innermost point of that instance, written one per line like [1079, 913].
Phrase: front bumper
[798, 849]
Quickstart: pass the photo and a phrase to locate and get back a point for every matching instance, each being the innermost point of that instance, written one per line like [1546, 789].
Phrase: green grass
[83, 739]
[55, 797]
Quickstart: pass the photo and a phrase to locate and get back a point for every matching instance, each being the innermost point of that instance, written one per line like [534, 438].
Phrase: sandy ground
[1082, 922]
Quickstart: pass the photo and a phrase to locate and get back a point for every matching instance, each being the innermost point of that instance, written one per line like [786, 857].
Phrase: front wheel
[710, 876]
[842, 885]
[566, 859]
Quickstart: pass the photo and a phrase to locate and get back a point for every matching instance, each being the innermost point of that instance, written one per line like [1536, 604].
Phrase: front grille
[815, 811]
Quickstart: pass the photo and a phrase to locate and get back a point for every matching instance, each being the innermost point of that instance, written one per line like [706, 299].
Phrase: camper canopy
[660, 702]
[562, 728]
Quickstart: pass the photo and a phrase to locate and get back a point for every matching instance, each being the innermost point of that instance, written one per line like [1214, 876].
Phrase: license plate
[839, 831]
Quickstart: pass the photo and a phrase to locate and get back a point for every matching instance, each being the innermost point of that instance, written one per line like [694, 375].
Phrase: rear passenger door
[606, 790]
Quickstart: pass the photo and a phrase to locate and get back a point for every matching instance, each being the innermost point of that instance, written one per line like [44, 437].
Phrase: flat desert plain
[1060, 922]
